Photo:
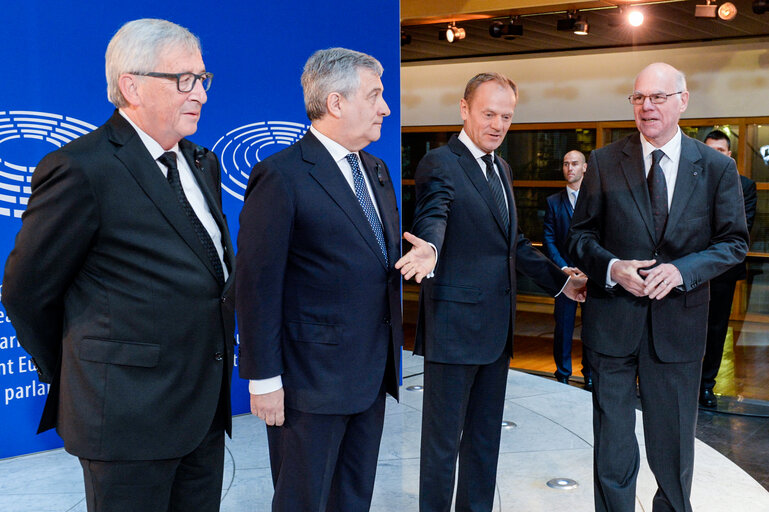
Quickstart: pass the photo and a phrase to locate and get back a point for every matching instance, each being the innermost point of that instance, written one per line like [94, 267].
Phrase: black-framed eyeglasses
[656, 98]
[185, 82]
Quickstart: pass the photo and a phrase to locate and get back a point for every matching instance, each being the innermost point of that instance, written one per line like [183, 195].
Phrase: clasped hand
[636, 277]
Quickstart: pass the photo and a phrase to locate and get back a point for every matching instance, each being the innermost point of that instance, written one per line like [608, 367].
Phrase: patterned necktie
[573, 198]
[365, 203]
[496, 191]
[658, 193]
[169, 160]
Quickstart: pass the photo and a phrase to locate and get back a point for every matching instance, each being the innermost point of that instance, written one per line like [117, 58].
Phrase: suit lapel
[477, 178]
[633, 167]
[566, 204]
[326, 172]
[687, 178]
[134, 155]
[384, 195]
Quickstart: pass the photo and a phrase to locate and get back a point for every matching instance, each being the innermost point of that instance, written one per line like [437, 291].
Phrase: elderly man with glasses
[117, 285]
[659, 215]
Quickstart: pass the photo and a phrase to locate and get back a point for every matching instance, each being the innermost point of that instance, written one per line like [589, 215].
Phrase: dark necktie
[658, 193]
[169, 160]
[496, 191]
[365, 203]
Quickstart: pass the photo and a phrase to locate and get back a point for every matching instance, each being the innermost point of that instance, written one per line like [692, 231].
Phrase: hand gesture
[419, 261]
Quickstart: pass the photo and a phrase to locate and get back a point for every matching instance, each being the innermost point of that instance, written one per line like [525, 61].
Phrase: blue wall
[53, 89]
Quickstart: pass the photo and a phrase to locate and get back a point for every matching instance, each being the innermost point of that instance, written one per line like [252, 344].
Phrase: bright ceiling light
[635, 18]
[452, 33]
[727, 11]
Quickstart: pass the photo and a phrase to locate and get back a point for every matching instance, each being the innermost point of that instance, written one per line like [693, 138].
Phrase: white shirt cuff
[564, 286]
[432, 272]
[264, 386]
[609, 282]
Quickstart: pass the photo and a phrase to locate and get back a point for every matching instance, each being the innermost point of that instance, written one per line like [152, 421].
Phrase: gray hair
[137, 46]
[333, 70]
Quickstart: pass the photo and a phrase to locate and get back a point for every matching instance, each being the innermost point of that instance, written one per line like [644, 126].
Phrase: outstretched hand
[419, 261]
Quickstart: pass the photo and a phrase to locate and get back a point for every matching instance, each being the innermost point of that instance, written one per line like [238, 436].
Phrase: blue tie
[365, 203]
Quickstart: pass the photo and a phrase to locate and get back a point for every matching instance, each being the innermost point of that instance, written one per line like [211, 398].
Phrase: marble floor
[551, 439]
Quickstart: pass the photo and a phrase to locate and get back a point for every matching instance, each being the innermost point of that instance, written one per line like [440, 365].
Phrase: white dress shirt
[189, 185]
[669, 165]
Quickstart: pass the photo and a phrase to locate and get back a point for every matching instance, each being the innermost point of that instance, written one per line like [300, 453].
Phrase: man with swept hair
[465, 216]
[117, 285]
[318, 298]
[659, 215]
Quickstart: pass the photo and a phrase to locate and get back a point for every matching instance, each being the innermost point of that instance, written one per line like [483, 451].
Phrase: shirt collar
[155, 149]
[672, 148]
[337, 151]
[467, 141]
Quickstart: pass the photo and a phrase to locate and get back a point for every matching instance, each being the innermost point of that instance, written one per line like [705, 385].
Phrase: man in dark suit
[560, 207]
[659, 215]
[722, 287]
[116, 285]
[465, 216]
[318, 298]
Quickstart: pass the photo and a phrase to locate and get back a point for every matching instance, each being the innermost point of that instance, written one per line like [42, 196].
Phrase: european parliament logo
[246, 145]
[25, 137]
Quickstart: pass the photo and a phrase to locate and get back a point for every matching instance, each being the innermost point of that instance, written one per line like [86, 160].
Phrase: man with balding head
[560, 208]
[659, 215]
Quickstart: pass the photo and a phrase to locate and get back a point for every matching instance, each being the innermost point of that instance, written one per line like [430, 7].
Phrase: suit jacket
[111, 292]
[467, 310]
[705, 234]
[750, 197]
[557, 223]
[316, 301]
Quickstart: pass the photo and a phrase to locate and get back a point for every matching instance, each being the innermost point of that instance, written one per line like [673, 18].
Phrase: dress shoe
[708, 398]
[562, 380]
[588, 384]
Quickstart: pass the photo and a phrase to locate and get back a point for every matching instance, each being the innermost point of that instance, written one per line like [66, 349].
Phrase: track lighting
[581, 28]
[506, 29]
[760, 6]
[727, 11]
[452, 33]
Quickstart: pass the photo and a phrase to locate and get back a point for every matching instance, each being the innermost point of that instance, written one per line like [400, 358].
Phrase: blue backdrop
[53, 89]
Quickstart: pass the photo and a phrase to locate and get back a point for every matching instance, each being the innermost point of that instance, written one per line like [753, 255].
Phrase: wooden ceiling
[666, 22]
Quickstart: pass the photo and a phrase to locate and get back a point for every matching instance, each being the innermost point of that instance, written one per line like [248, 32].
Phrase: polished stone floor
[551, 439]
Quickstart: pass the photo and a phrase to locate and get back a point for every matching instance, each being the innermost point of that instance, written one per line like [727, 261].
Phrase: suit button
[507, 291]
[223, 300]
[386, 320]
[218, 356]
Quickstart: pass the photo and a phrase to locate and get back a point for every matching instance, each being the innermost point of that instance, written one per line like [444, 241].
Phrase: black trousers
[669, 393]
[326, 462]
[185, 484]
[721, 296]
[461, 416]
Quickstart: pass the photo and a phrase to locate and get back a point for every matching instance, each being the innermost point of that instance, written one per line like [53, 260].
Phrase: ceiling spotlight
[727, 11]
[581, 28]
[635, 18]
[452, 33]
[760, 6]
[567, 24]
[508, 30]
[705, 11]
